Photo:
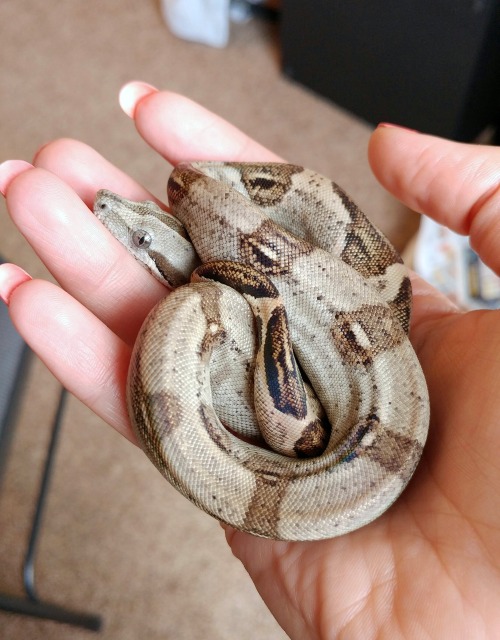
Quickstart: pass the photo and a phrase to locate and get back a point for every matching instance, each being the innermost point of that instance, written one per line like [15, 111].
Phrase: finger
[456, 184]
[179, 129]
[11, 277]
[86, 171]
[87, 358]
[84, 258]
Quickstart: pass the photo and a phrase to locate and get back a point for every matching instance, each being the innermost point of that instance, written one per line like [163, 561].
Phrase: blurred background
[117, 540]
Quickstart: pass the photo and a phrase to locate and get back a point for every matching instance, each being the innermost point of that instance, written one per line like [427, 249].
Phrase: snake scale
[299, 443]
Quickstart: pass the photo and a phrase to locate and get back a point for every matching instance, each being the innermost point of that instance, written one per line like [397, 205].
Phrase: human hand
[84, 331]
[429, 566]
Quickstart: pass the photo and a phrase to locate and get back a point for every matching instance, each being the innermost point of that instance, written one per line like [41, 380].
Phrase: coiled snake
[276, 237]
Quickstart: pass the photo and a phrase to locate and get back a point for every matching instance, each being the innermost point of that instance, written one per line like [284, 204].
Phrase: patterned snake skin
[340, 429]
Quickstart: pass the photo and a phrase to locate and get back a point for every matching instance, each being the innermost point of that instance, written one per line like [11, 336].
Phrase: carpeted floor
[117, 539]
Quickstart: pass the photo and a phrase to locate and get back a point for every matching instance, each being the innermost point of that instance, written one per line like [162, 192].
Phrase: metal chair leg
[32, 605]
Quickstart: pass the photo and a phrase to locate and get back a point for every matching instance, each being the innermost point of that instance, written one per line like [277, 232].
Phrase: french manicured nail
[132, 93]
[390, 125]
[11, 276]
[9, 170]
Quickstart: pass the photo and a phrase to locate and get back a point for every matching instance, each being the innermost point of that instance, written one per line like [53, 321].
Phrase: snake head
[154, 237]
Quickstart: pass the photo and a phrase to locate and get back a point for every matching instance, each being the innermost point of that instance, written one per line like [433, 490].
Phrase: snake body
[295, 263]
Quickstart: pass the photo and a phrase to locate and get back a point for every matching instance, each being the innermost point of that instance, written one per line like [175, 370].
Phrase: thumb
[456, 184]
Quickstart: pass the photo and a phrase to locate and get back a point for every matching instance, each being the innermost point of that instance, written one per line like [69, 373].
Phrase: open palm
[429, 567]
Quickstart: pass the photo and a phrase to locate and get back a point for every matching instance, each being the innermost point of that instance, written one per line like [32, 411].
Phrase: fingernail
[11, 276]
[132, 93]
[390, 125]
[9, 170]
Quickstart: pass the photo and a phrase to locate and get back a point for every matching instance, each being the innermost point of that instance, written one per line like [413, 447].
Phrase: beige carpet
[117, 539]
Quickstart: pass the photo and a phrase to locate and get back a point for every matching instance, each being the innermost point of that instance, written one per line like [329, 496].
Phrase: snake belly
[347, 297]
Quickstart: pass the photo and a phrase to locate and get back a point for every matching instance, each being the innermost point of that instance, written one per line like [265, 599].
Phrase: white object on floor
[240, 11]
[205, 21]
[446, 260]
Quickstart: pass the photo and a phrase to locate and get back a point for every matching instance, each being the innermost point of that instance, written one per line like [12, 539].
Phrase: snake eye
[141, 239]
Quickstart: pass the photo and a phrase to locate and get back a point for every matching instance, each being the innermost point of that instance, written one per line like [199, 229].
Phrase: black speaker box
[432, 65]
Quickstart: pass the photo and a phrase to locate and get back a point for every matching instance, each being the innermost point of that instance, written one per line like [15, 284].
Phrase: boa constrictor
[347, 296]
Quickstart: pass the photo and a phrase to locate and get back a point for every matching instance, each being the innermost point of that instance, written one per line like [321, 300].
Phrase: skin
[429, 567]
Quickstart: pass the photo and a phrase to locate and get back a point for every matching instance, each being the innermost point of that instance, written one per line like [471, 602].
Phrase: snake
[275, 386]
